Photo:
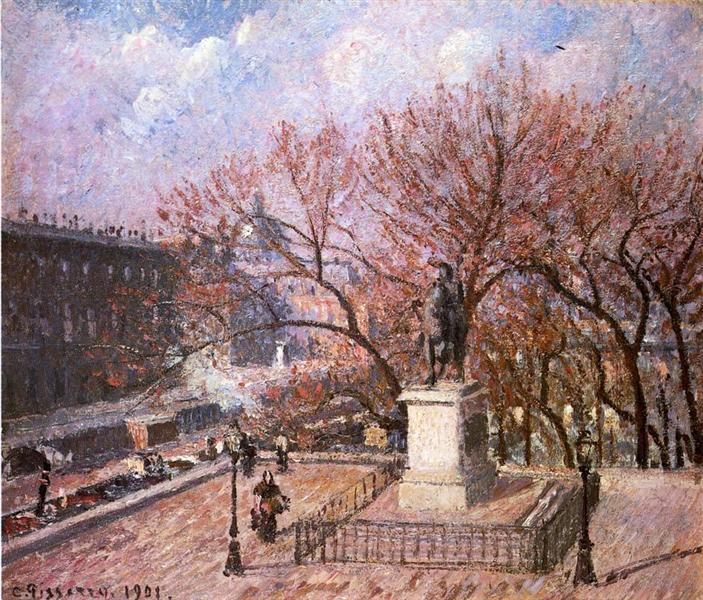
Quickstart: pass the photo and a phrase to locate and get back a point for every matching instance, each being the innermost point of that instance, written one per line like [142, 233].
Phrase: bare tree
[447, 176]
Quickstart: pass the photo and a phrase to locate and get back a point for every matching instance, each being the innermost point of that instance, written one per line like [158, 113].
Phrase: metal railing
[508, 546]
[560, 531]
[516, 548]
[310, 529]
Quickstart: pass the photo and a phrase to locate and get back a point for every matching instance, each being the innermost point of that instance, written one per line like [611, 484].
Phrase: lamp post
[233, 566]
[584, 572]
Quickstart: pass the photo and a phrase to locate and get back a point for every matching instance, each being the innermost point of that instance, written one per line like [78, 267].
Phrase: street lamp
[584, 563]
[233, 566]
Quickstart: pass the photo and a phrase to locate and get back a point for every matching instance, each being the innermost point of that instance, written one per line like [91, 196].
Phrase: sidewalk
[43, 540]
[57, 533]
[646, 534]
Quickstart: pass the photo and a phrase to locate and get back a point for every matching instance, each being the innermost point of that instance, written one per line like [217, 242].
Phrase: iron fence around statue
[559, 532]
[535, 548]
[487, 547]
[309, 532]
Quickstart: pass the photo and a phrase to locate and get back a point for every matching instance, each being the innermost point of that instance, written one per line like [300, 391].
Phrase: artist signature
[127, 592]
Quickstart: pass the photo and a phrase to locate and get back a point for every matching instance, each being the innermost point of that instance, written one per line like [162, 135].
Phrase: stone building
[70, 298]
[291, 298]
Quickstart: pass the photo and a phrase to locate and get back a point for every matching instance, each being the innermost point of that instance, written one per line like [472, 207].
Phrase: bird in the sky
[560, 47]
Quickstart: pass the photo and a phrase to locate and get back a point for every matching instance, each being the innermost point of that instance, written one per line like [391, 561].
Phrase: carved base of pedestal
[448, 467]
[426, 494]
[445, 491]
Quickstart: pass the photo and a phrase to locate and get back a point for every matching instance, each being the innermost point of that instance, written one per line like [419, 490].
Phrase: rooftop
[112, 237]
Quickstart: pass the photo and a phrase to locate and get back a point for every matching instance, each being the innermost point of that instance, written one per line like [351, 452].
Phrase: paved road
[179, 543]
[646, 531]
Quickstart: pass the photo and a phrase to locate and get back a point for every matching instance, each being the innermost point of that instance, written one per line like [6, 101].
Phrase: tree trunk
[688, 446]
[502, 445]
[680, 463]
[564, 439]
[686, 385]
[600, 417]
[527, 433]
[663, 409]
[553, 418]
[603, 399]
[642, 454]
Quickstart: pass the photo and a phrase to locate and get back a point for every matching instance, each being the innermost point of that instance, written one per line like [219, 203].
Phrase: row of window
[74, 323]
[127, 272]
[90, 321]
[86, 267]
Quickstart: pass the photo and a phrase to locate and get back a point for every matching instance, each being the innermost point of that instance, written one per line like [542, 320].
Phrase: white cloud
[244, 31]
[208, 58]
[462, 51]
[360, 54]
[99, 119]
[153, 103]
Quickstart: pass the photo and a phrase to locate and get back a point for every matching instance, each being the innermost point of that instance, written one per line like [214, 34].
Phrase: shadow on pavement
[627, 570]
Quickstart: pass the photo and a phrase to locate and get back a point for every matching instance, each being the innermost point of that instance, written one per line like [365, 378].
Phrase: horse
[443, 326]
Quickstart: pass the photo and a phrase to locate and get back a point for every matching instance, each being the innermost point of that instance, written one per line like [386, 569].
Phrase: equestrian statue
[444, 327]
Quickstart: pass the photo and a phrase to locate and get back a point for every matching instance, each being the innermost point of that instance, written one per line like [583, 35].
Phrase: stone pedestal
[448, 466]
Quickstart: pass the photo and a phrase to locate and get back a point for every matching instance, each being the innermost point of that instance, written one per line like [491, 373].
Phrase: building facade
[81, 312]
[292, 299]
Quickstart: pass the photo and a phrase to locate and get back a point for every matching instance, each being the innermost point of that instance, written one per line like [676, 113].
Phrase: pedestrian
[270, 503]
[6, 470]
[210, 452]
[232, 439]
[282, 451]
[44, 482]
[247, 452]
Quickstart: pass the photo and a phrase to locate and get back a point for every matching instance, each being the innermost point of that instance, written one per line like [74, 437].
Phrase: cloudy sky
[107, 102]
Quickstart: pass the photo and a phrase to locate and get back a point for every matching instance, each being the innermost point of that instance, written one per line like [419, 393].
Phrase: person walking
[270, 503]
[282, 451]
[210, 451]
[247, 451]
[44, 483]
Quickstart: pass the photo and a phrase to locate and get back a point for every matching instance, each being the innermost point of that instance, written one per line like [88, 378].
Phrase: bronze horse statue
[444, 329]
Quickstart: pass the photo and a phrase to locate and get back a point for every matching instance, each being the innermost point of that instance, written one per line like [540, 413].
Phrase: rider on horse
[444, 325]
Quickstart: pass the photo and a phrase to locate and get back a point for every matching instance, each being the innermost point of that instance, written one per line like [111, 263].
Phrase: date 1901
[127, 592]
